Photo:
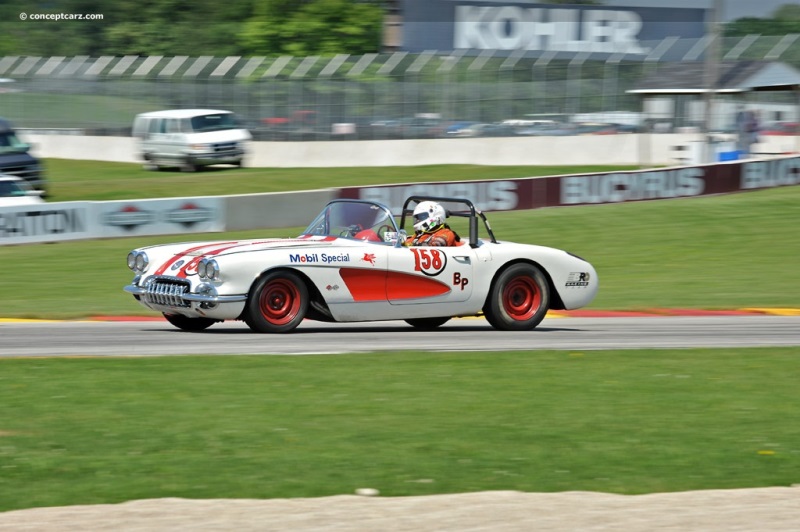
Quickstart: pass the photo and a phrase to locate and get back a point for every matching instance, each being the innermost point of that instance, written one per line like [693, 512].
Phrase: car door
[174, 139]
[349, 275]
[161, 141]
[421, 274]
[153, 137]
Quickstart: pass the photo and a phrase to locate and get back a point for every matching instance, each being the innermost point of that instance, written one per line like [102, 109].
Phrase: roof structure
[734, 77]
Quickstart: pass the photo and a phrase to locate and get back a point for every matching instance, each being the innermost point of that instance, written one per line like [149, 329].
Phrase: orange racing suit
[440, 236]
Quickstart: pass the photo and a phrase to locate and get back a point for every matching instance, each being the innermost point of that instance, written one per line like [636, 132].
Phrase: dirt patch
[763, 509]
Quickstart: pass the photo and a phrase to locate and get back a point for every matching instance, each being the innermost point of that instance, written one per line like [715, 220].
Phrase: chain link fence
[374, 96]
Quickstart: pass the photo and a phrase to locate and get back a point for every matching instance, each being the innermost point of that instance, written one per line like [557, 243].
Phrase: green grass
[35, 109]
[731, 251]
[84, 431]
[89, 180]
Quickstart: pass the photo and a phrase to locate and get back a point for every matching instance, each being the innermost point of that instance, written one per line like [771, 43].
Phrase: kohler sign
[564, 30]
[446, 25]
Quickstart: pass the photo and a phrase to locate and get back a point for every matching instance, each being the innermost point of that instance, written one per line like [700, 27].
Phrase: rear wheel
[427, 323]
[277, 303]
[519, 299]
[189, 324]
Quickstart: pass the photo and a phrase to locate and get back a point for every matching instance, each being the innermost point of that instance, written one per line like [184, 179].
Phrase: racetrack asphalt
[157, 337]
[552, 314]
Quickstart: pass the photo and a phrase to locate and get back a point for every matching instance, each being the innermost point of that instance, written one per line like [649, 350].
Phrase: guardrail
[634, 149]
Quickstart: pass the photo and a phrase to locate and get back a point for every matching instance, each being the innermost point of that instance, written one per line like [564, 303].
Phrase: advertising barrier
[159, 216]
[591, 189]
[46, 223]
[54, 222]
[110, 219]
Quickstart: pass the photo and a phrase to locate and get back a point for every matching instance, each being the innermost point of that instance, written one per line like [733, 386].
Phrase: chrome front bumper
[174, 292]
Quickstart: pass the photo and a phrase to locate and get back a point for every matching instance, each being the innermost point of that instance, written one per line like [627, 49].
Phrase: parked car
[190, 138]
[16, 159]
[595, 128]
[462, 129]
[496, 129]
[15, 192]
[350, 265]
[547, 128]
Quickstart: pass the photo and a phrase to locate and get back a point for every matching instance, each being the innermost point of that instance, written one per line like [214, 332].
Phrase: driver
[429, 227]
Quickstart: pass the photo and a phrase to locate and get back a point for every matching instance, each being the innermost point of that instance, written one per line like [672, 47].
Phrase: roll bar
[471, 212]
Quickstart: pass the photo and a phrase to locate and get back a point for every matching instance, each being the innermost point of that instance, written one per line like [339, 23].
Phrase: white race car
[350, 265]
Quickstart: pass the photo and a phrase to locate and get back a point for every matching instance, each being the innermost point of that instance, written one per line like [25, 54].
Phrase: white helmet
[428, 215]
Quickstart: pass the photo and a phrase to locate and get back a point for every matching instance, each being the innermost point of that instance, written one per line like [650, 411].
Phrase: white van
[190, 138]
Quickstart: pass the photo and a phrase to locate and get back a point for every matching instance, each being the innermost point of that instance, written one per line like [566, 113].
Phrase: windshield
[359, 220]
[10, 189]
[10, 143]
[214, 122]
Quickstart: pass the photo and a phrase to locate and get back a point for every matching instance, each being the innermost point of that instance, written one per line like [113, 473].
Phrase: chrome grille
[29, 172]
[166, 291]
[225, 147]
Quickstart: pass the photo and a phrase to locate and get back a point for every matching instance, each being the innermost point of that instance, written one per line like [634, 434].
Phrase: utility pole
[711, 74]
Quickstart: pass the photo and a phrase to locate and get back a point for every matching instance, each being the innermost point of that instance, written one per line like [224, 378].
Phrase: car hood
[20, 201]
[181, 259]
[220, 135]
[227, 247]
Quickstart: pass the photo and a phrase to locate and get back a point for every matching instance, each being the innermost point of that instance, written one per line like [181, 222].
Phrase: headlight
[208, 269]
[142, 262]
[138, 261]
[200, 147]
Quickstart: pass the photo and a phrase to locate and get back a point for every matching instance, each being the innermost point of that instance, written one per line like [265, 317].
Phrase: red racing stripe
[164, 267]
[192, 264]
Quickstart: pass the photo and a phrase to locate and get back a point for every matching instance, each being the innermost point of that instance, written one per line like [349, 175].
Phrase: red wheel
[519, 298]
[277, 303]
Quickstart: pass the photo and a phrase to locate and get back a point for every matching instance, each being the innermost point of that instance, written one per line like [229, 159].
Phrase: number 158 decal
[429, 261]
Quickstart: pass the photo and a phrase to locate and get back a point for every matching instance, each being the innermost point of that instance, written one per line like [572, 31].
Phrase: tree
[785, 20]
[312, 27]
[787, 12]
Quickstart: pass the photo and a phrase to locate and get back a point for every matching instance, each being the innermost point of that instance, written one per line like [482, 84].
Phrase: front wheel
[519, 299]
[277, 303]
[427, 323]
[189, 324]
[188, 166]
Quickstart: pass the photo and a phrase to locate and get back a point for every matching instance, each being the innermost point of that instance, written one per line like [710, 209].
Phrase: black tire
[427, 323]
[189, 324]
[277, 304]
[188, 166]
[519, 299]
